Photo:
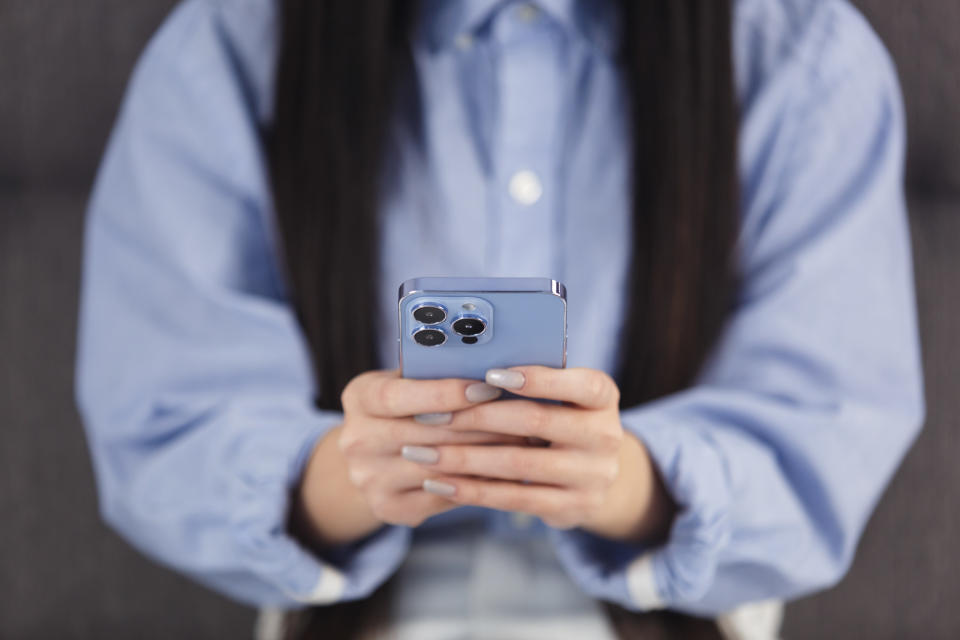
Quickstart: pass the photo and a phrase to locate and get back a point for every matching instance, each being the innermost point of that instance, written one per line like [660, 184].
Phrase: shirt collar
[443, 20]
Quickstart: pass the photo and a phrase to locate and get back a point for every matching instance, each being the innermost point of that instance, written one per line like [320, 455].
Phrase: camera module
[430, 337]
[429, 314]
[469, 326]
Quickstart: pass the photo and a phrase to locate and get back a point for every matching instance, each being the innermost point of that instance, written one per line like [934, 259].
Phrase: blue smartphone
[460, 327]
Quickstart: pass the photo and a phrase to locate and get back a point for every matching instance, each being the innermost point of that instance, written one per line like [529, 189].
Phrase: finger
[588, 388]
[554, 423]
[385, 436]
[386, 475]
[386, 394]
[530, 464]
[549, 503]
[410, 508]
[434, 436]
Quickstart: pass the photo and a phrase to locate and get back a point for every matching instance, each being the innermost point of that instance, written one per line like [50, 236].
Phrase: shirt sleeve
[193, 378]
[777, 456]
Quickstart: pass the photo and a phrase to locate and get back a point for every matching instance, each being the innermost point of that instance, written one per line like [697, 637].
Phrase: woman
[719, 185]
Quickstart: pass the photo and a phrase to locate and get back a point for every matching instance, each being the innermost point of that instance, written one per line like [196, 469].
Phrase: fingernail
[434, 418]
[422, 455]
[505, 378]
[480, 392]
[439, 488]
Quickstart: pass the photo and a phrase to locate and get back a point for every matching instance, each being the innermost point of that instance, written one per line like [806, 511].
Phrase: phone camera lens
[430, 337]
[469, 326]
[429, 314]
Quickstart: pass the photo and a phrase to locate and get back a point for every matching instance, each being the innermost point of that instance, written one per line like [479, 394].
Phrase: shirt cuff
[681, 571]
[265, 469]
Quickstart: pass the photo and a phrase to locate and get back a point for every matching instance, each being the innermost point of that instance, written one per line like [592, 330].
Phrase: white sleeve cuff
[641, 584]
[753, 621]
[330, 587]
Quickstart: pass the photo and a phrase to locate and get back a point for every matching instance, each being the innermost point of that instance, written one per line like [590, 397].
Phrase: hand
[356, 480]
[592, 475]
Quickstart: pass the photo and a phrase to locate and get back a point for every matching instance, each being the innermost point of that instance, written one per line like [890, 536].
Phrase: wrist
[638, 507]
[327, 508]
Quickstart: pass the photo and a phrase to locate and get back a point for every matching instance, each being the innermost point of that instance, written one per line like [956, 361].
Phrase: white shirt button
[527, 12]
[525, 187]
[464, 41]
[521, 520]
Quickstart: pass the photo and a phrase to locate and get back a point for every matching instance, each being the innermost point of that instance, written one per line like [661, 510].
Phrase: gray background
[63, 66]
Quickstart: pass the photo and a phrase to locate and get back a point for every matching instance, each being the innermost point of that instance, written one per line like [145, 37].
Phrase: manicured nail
[422, 455]
[434, 418]
[480, 392]
[439, 488]
[506, 378]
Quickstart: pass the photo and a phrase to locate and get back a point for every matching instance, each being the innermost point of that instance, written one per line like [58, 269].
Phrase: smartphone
[460, 327]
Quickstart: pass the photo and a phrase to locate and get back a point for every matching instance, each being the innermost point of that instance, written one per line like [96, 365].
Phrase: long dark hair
[344, 70]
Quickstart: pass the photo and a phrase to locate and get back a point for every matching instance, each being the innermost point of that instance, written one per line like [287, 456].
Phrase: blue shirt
[194, 380]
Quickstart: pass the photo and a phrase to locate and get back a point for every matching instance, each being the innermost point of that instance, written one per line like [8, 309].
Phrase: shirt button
[521, 520]
[525, 187]
[527, 12]
[464, 41]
